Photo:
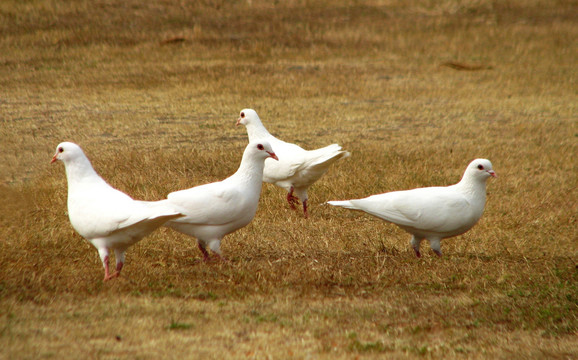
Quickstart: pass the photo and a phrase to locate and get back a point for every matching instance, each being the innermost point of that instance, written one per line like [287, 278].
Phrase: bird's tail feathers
[342, 203]
[164, 209]
[327, 155]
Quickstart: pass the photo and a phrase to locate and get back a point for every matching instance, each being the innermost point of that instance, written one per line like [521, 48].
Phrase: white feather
[297, 168]
[217, 209]
[105, 216]
[433, 213]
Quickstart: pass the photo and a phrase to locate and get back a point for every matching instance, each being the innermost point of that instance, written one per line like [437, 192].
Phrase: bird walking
[108, 218]
[220, 208]
[432, 213]
[297, 168]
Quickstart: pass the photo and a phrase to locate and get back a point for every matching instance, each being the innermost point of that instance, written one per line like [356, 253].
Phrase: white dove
[297, 168]
[220, 208]
[432, 213]
[103, 215]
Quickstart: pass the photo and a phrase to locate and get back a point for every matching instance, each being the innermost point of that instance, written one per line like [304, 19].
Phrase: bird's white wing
[291, 159]
[318, 161]
[434, 209]
[210, 204]
[324, 155]
[100, 212]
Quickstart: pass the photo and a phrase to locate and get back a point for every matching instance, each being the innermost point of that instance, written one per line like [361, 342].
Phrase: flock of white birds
[112, 220]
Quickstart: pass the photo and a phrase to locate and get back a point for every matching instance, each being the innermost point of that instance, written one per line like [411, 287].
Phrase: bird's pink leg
[291, 199]
[415, 242]
[436, 246]
[206, 256]
[118, 269]
[107, 275]
[305, 209]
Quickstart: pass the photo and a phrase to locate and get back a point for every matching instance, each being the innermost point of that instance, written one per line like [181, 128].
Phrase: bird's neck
[80, 171]
[473, 188]
[250, 172]
[257, 131]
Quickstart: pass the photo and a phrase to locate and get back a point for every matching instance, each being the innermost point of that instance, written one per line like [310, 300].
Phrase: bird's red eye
[481, 167]
[260, 147]
[60, 149]
[242, 114]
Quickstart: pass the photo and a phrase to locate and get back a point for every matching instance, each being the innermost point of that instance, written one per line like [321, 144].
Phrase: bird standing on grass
[432, 213]
[220, 208]
[108, 218]
[297, 168]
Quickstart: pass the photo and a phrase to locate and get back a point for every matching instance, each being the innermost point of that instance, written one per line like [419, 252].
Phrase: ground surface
[413, 89]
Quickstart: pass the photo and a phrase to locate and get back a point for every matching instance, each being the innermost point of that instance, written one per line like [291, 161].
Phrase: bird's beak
[272, 154]
[53, 159]
[492, 173]
[238, 121]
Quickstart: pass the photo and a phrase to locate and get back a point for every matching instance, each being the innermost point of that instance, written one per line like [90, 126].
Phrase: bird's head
[248, 117]
[262, 149]
[66, 151]
[481, 169]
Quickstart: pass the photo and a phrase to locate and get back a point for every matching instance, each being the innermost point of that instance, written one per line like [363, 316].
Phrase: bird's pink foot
[107, 275]
[292, 199]
[206, 257]
[116, 274]
[305, 209]
[417, 253]
[118, 269]
[112, 276]
[438, 253]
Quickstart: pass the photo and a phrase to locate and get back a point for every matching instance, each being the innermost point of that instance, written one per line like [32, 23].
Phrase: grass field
[413, 89]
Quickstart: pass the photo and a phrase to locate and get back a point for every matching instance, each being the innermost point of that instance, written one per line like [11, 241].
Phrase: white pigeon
[432, 213]
[220, 208]
[297, 168]
[103, 215]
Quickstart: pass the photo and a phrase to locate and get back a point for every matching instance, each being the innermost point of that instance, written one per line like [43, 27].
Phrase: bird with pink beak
[108, 218]
[220, 208]
[432, 213]
[297, 168]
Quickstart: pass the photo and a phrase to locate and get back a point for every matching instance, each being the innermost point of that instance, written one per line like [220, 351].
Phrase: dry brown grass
[157, 115]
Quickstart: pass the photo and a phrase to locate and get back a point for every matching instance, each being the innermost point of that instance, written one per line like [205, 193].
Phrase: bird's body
[297, 168]
[217, 209]
[103, 215]
[432, 213]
